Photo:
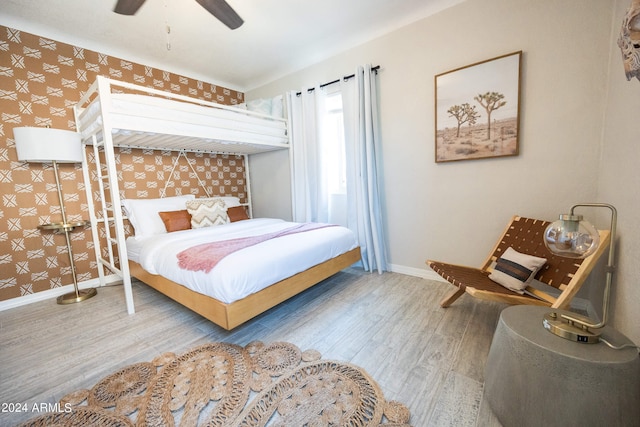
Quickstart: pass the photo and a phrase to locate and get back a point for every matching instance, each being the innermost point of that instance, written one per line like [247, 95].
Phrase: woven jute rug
[222, 384]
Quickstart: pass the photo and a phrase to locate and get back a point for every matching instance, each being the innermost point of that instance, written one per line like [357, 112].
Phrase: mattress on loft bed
[134, 117]
[248, 270]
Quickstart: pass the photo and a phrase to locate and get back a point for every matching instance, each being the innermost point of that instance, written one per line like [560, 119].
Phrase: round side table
[535, 378]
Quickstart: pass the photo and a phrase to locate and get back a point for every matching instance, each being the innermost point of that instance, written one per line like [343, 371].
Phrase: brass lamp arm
[609, 269]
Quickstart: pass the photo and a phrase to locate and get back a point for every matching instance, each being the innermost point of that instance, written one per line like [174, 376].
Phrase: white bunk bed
[139, 117]
[119, 114]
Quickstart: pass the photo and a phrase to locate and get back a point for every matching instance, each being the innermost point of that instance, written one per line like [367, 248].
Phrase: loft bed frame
[108, 116]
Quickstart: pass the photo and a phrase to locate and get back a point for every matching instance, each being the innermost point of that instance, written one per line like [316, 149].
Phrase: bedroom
[577, 123]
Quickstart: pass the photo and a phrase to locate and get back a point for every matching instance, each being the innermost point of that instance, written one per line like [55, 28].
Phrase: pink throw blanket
[207, 255]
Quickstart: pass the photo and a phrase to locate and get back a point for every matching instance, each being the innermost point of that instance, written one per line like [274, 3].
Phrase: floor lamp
[44, 145]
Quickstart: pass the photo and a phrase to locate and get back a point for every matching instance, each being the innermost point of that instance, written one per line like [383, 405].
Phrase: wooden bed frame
[228, 316]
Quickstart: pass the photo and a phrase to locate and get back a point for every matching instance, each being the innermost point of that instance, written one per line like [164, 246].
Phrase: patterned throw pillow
[515, 270]
[207, 212]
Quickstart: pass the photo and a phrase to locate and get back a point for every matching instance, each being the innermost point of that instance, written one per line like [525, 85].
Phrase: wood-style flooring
[431, 359]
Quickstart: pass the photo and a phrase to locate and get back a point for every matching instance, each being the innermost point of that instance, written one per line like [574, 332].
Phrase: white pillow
[262, 106]
[515, 270]
[207, 212]
[277, 107]
[143, 213]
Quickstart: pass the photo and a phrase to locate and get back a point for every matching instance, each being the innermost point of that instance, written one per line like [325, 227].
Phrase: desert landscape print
[477, 110]
[472, 142]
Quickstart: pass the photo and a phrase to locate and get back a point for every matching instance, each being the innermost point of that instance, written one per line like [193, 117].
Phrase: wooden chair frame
[525, 235]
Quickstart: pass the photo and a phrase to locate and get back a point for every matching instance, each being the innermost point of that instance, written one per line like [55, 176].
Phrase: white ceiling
[277, 38]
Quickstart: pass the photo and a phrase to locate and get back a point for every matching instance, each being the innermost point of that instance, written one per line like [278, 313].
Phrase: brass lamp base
[569, 330]
[72, 297]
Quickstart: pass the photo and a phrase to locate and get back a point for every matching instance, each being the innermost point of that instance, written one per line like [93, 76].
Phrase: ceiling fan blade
[127, 7]
[221, 10]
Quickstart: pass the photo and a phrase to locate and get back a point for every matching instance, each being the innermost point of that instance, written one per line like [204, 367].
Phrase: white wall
[620, 183]
[454, 211]
[270, 182]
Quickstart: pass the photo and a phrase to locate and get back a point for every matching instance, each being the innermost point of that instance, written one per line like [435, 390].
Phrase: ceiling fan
[218, 8]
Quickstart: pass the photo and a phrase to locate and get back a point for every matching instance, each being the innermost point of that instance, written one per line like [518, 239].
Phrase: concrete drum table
[535, 378]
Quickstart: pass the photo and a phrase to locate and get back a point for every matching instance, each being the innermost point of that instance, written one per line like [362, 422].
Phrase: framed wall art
[478, 110]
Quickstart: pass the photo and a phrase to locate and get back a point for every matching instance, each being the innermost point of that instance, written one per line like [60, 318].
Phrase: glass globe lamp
[572, 237]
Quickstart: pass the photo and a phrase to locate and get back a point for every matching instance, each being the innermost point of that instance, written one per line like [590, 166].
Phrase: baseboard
[416, 272]
[54, 293]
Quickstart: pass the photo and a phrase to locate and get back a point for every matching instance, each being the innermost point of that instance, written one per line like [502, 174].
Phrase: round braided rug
[222, 384]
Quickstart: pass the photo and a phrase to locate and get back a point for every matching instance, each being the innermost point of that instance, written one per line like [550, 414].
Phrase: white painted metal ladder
[106, 219]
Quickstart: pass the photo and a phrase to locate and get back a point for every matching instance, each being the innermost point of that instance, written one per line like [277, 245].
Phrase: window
[333, 143]
[335, 169]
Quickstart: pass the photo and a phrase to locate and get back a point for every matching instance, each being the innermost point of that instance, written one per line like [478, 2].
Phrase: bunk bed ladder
[107, 217]
[92, 213]
[114, 195]
[106, 213]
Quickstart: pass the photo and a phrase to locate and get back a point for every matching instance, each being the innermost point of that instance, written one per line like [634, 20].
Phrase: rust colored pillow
[176, 220]
[237, 213]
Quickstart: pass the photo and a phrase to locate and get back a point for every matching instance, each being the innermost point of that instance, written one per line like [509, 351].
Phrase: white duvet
[246, 271]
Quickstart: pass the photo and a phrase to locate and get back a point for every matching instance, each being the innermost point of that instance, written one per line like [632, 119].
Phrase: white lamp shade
[36, 144]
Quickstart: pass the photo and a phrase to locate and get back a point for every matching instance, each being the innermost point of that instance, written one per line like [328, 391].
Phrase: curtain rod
[345, 78]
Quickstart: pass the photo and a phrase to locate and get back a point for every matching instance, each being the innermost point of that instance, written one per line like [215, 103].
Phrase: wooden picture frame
[478, 110]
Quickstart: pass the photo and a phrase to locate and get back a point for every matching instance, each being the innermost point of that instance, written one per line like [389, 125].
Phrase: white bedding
[248, 270]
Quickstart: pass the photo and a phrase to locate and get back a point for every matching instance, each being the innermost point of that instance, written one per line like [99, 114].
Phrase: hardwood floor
[429, 358]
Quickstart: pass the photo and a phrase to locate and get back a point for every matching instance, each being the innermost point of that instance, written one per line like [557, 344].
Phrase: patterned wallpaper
[40, 80]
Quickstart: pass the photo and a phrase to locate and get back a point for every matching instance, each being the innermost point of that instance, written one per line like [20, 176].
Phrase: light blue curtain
[363, 152]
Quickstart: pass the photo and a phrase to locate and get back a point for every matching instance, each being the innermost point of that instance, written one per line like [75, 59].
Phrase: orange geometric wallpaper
[40, 81]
